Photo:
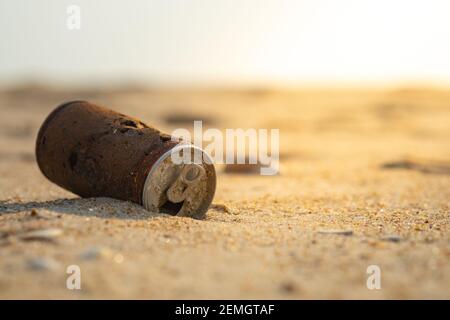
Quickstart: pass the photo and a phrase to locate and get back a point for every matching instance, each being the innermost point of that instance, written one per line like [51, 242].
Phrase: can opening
[171, 208]
[183, 189]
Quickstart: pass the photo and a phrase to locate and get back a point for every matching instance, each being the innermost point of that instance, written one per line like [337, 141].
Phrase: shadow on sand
[423, 167]
[89, 207]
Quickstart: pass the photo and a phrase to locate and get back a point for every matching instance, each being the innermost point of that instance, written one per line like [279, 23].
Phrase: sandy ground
[372, 163]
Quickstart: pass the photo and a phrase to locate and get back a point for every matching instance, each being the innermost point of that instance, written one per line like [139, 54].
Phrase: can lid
[181, 182]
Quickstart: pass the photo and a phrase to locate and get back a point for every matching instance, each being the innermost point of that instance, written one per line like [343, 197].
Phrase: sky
[191, 42]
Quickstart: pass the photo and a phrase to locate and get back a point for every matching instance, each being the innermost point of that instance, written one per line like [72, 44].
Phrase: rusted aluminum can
[96, 152]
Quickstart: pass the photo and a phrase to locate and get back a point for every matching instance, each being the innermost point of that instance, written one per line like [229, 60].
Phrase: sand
[364, 180]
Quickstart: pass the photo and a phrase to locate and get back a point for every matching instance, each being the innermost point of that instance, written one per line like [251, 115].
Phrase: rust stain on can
[96, 152]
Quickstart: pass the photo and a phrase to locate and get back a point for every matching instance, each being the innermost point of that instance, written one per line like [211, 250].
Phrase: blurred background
[204, 43]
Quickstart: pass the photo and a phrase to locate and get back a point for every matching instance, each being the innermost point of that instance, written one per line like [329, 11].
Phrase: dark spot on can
[73, 158]
[129, 123]
[165, 137]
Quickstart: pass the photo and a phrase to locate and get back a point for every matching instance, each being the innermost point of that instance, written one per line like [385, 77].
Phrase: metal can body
[96, 152]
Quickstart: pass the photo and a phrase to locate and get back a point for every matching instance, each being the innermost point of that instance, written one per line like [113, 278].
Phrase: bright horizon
[213, 42]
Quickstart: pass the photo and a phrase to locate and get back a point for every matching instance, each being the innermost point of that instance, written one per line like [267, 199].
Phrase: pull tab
[190, 175]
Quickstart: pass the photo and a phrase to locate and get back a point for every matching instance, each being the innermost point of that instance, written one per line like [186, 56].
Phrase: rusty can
[96, 152]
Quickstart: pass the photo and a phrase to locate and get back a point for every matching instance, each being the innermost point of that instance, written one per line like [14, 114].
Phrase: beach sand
[364, 180]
